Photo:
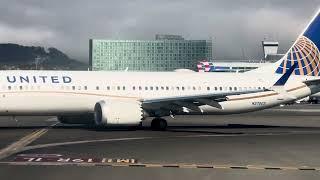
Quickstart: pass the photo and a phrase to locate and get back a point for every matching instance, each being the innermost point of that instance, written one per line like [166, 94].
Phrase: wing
[191, 102]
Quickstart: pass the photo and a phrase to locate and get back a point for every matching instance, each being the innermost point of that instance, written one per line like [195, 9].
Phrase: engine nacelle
[118, 112]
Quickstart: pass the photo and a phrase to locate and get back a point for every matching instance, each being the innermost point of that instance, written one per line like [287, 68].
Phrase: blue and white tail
[305, 52]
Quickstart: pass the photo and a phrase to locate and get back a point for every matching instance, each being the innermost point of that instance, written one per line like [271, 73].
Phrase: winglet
[284, 78]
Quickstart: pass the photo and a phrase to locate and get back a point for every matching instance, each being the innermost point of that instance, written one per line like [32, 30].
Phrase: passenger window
[208, 88]
[108, 88]
[123, 88]
[182, 88]
[230, 88]
[177, 88]
[194, 88]
[85, 88]
[146, 88]
[133, 88]
[97, 87]
[220, 88]
[167, 88]
[151, 88]
[140, 88]
[215, 88]
[157, 88]
[20, 87]
[235, 88]
[73, 88]
[162, 88]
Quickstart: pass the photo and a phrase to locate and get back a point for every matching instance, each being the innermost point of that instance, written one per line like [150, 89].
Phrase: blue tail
[304, 52]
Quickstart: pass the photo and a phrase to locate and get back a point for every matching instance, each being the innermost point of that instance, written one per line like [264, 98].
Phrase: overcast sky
[233, 24]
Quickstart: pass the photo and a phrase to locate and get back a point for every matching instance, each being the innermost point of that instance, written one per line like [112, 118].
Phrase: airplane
[128, 98]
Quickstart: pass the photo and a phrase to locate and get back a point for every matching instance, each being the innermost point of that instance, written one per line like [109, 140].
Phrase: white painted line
[18, 145]
[297, 110]
[84, 141]
[158, 137]
[39, 155]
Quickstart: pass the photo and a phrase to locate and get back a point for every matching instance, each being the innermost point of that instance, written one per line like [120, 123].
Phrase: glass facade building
[165, 53]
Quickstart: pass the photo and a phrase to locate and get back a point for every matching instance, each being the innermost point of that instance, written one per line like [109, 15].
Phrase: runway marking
[158, 137]
[57, 158]
[60, 160]
[84, 141]
[160, 165]
[24, 141]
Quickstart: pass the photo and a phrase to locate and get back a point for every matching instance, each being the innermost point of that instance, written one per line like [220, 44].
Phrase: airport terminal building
[270, 52]
[165, 53]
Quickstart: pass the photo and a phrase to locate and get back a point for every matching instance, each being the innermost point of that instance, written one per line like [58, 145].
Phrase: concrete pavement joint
[159, 165]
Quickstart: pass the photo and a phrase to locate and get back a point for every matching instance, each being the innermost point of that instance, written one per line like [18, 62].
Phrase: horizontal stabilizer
[279, 88]
[284, 78]
[282, 91]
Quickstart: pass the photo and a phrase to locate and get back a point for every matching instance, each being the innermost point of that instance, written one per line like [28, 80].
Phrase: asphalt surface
[281, 143]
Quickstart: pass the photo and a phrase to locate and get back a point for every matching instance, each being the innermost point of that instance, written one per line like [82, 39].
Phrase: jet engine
[118, 112]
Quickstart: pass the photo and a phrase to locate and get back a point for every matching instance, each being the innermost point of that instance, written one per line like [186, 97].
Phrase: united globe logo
[306, 54]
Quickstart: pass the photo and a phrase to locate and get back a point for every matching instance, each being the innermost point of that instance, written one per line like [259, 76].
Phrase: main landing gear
[159, 124]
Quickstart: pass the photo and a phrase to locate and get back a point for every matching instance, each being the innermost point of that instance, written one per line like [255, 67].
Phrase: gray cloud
[234, 25]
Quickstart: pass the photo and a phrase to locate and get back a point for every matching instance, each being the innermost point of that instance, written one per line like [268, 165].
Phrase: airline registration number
[259, 103]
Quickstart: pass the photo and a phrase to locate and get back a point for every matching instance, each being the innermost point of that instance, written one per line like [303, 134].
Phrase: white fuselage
[75, 92]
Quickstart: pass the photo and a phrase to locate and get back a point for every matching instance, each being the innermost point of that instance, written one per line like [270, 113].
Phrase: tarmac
[281, 143]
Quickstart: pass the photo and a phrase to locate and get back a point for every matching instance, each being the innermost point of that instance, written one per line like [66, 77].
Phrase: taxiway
[280, 143]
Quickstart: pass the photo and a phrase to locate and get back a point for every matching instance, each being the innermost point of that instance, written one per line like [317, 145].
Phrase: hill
[14, 56]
